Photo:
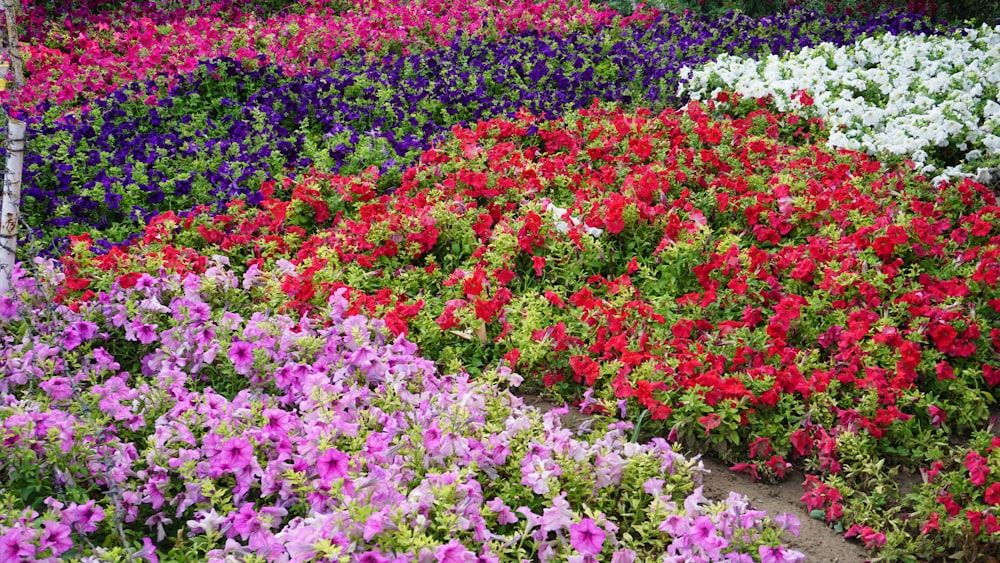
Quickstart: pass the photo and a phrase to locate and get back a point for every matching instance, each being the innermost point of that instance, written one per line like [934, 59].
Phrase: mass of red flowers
[759, 294]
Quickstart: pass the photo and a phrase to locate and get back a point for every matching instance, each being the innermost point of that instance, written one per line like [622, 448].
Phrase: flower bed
[759, 295]
[224, 129]
[74, 63]
[155, 423]
[717, 276]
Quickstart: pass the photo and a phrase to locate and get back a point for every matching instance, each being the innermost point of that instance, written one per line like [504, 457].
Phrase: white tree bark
[10, 9]
[10, 211]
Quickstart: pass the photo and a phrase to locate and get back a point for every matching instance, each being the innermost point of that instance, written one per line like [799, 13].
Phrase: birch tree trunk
[10, 212]
[10, 8]
[10, 197]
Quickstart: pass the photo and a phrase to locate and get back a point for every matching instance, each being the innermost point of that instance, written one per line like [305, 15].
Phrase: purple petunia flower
[241, 354]
[8, 308]
[788, 522]
[675, 525]
[59, 388]
[653, 486]
[15, 545]
[771, 554]
[83, 517]
[235, 454]
[332, 464]
[504, 514]
[558, 516]
[624, 556]
[55, 536]
[454, 552]
[586, 537]
[144, 333]
[71, 339]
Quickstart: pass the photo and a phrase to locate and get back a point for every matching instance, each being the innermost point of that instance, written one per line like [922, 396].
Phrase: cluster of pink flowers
[73, 63]
[339, 440]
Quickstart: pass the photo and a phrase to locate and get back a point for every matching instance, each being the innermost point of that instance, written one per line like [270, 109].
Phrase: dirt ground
[816, 540]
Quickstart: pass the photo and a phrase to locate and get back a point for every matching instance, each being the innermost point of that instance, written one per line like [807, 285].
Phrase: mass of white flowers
[931, 99]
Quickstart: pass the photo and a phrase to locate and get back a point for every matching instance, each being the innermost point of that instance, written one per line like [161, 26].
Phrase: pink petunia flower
[83, 517]
[15, 545]
[58, 388]
[148, 551]
[653, 486]
[624, 556]
[504, 514]
[454, 552]
[55, 536]
[788, 522]
[8, 308]
[71, 339]
[770, 554]
[241, 354]
[558, 516]
[245, 521]
[144, 333]
[235, 454]
[332, 464]
[586, 537]
[937, 414]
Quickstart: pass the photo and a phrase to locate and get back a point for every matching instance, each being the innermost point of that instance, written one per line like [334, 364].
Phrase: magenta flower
[205, 336]
[586, 537]
[536, 471]
[241, 353]
[83, 517]
[8, 308]
[675, 525]
[788, 522]
[504, 514]
[71, 339]
[770, 554]
[58, 388]
[332, 464]
[373, 527]
[702, 529]
[558, 516]
[374, 556]
[55, 536]
[278, 422]
[246, 522]
[938, 415]
[86, 329]
[235, 454]
[148, 551]
[15, 545]
[145, 333]
[454, 552]
[356, 330]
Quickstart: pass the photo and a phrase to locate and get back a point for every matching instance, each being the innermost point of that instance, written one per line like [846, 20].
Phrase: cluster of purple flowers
[343, 442]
